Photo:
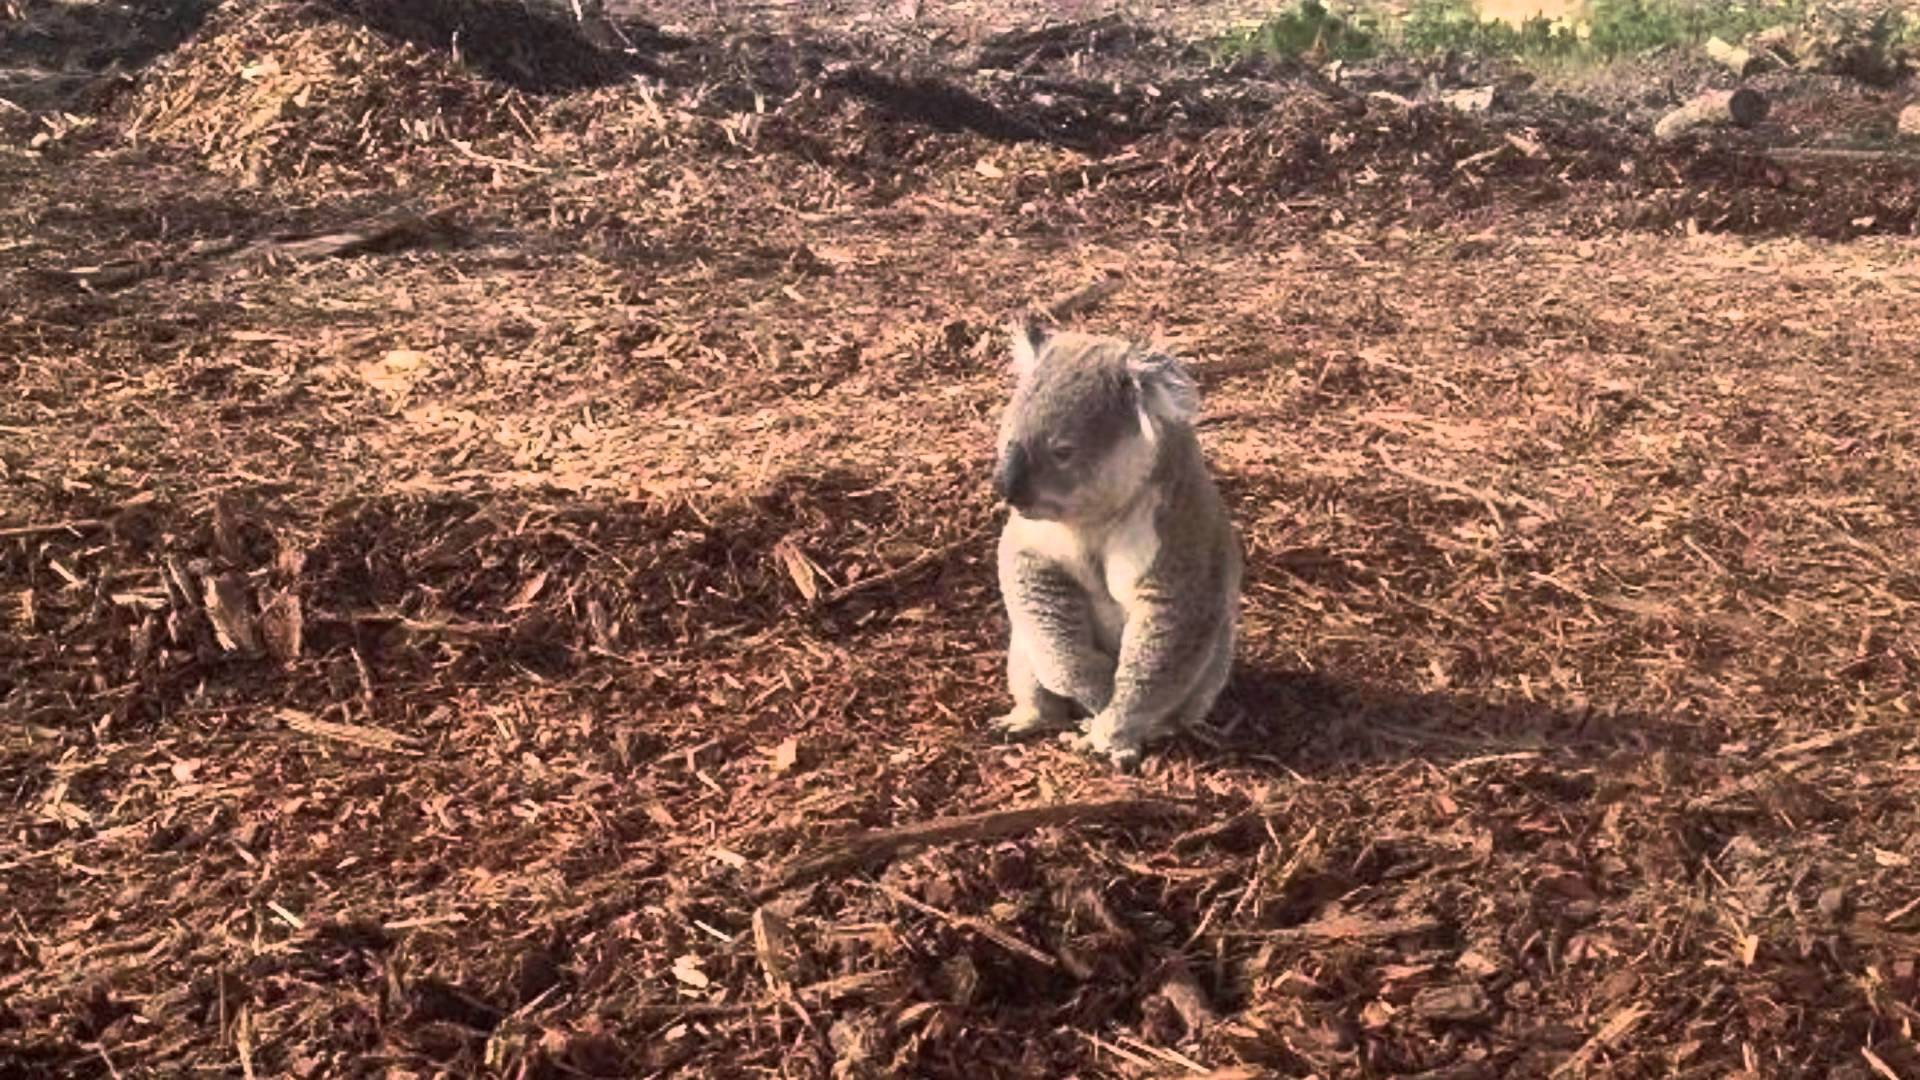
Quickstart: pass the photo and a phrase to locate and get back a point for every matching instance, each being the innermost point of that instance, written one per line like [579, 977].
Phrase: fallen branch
[1744, 108]
[882, 845]
[382, 233]
[387, 232]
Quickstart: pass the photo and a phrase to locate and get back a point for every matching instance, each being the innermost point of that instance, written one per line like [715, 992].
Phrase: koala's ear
[1168, 394]
[1029, 337]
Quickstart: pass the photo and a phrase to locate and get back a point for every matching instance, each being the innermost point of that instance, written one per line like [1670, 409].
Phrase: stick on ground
[881, 845]
[985, 929]
[356, 734]
[75, 525]
[1744, 107]
[1346, 928]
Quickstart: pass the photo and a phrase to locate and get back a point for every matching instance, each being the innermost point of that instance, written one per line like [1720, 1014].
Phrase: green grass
[1608, 29]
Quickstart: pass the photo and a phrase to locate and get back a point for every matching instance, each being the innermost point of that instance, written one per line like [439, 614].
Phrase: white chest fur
[1109, 563]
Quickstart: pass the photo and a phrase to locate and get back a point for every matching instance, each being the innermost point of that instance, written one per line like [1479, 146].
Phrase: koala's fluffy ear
[1168, 394]
[1029, 337]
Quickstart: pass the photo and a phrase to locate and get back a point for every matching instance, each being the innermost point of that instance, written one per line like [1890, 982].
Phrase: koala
[1118, 565]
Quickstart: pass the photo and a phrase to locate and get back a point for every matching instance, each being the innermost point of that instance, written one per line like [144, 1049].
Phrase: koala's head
[1088, 415]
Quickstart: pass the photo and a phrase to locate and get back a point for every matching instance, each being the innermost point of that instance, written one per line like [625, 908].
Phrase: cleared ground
[470, 537]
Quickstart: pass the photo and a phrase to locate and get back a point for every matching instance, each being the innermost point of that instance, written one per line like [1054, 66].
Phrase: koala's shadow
[1272, 719]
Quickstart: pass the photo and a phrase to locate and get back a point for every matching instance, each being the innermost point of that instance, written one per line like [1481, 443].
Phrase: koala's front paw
[1025, 721]
[1105, 736]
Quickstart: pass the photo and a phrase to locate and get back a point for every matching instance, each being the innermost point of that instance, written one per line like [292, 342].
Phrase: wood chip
[1458, 1003]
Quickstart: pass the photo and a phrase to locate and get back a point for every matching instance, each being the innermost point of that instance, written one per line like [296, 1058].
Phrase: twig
[1484, 498]
[112, 1069]
[1901, 912]
[71, 846]
[1171, 1057]
[1878, 1065]
[905, 569]
[1414, 373]
[1612, 1031]
[1193, 838]
[882, 845]
[861, 983]
[1492, 500]
[1120, 1052]
[1822, 741]
[1085, 298]
[243, 1041]
[969, 922]
[75, 525]
[1835, 153]
[467, 149]
[1345, 928]
[286, 916]
[357, 734]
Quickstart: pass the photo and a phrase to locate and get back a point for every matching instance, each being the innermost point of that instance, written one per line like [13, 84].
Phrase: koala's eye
[1062, 452]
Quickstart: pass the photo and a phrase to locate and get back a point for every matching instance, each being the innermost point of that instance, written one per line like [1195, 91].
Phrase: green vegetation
[1606, 29]
[1291, 33]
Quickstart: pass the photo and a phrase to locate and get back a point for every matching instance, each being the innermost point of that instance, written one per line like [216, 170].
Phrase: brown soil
[473, 529]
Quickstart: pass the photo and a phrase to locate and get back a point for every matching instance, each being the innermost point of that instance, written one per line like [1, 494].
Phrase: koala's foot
[1103, 736]
[1027, 720]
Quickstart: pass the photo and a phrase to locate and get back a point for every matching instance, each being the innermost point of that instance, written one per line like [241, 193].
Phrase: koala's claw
[1124, 755]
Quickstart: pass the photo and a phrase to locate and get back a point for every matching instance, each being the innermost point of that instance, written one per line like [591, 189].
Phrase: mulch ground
[496, 576]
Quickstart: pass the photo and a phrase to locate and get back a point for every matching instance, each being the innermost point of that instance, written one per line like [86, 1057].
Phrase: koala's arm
[1054, 620]
[1172, 625]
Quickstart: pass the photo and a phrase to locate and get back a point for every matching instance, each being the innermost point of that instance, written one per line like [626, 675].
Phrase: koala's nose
[1012, 480]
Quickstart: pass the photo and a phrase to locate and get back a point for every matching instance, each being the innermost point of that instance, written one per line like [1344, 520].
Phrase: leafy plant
[1604, 30]
[1293, 33]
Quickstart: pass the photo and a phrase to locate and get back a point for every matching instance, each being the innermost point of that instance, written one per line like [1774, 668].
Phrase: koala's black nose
[1012, 480]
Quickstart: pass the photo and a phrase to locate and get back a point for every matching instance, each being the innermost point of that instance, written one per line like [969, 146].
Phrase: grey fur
[1119, 567]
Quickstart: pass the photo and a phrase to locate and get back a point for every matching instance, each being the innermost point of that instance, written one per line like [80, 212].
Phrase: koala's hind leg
[1035, 708]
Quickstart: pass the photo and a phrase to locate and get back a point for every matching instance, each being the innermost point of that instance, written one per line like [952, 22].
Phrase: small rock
[1479, 99]
[1833, 902]
[1910, 121]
